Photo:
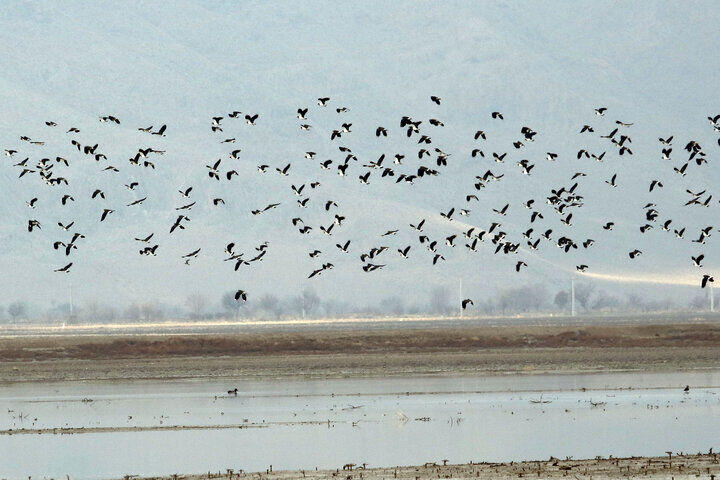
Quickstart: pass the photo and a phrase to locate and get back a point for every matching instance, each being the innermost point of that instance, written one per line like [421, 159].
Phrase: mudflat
[670, 467]
[354, 353]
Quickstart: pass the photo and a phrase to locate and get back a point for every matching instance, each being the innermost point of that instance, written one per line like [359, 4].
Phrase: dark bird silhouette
[33, 224]
[146, 239]
[65, 269]
[105, 214]
[137, 202]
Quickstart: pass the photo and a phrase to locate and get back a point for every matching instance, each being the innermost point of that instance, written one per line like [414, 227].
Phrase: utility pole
[572, 298]
[712, 299]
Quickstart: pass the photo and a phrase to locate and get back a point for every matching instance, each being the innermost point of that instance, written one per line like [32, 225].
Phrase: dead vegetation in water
[670, 467]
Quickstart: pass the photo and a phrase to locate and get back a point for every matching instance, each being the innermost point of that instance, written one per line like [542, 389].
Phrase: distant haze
[545, 65]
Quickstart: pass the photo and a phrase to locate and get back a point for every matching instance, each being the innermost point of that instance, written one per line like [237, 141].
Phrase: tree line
[441, 301]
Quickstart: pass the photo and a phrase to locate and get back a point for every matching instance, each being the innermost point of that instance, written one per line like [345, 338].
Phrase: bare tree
[413, 309]
[605, 301]
[583, 293]
[660, 305]
[270, 304]
[392, 305]
[17, 310]
[699, 302]
[634, 302]
[232, 306]
[533, 297]
[527, 298]
[150, 311]
[335, 307]
[561, 299]
[58, 311]
[505, 302]
[91, 311]
[440, 300]
[132, 312]
[487, 306]
[196, 304]
[308, 302]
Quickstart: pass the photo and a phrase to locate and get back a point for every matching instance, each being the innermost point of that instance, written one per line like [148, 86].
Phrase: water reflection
[390, 421]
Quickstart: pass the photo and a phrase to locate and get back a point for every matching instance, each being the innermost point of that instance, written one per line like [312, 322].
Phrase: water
[478, 418]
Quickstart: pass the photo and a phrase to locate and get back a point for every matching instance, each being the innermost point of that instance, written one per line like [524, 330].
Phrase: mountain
[543, 66]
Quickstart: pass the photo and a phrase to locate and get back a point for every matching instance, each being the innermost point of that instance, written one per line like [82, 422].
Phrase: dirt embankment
[358, 342]
[465, 350]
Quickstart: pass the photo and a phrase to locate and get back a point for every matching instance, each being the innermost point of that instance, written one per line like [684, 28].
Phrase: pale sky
[546, 65]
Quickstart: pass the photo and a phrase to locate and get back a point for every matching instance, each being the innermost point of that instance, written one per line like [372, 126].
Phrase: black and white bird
[65, 269]
[105, 214]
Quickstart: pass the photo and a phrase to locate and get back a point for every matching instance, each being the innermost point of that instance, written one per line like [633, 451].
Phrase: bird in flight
[65, 269]
[561, 212]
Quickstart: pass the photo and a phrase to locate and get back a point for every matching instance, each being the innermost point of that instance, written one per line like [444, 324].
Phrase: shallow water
[373, 420]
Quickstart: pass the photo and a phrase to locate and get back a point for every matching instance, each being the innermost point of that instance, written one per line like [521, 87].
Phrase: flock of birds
[564, 199]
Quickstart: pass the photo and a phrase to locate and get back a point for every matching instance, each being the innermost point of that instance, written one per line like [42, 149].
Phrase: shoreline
[380, 375]
[486, 363]
[674, 466]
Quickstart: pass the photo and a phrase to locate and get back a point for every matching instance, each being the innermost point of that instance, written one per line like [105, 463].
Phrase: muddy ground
[670, 467]
[438, 351]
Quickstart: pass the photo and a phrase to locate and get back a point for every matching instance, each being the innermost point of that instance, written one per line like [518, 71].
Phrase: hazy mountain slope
[543, 67]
